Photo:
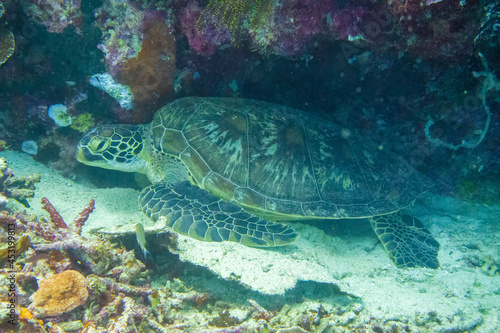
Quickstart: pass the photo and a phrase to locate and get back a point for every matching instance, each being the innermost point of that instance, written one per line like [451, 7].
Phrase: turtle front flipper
[406, 240]
[197, 213]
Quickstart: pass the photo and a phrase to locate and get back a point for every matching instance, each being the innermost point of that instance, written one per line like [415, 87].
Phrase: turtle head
[118, 147]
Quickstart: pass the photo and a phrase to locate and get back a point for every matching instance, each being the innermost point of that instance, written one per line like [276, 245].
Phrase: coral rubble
[18, 188]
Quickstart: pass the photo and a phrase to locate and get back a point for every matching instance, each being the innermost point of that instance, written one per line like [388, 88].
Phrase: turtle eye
[99, 145]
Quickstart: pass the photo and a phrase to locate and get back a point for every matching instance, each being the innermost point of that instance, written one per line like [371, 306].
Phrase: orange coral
[151, 74]
[59, 293]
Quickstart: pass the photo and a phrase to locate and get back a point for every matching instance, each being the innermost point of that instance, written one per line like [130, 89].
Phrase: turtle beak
[80, 156]
[84, 156]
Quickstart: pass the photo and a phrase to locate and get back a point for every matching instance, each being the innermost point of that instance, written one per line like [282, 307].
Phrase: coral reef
[18, 188]
[287, 28]
[95, 255]
[58, 256]
[293, 52]
[55, 15]
[444, 29]
[119, 22]
[58, 294]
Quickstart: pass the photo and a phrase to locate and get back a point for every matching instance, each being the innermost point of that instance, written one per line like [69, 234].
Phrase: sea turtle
[226, 169]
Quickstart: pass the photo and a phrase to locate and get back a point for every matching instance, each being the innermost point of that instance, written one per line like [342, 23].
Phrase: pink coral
[83, 216]
[205, 40]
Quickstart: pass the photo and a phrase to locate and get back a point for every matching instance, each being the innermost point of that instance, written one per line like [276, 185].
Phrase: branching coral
[93, 254]
[82, 217]
[55, 217]
[58, 221]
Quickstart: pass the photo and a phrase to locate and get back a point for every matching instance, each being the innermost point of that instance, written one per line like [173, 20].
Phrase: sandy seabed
[462, 295]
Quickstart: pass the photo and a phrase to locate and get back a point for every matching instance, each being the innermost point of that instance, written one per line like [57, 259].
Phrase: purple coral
[298, 22]
[206, 40]
[291, 26]
[345, 23]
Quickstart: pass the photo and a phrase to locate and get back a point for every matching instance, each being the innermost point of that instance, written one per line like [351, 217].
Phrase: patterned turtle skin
[225, 169]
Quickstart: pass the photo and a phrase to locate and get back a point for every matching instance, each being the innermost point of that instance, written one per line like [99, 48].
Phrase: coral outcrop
[121, 37]
[204, 37]
[59, 294]
[55, 15]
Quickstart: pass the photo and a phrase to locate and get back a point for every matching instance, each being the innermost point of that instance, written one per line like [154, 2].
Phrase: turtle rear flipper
[197, 213]
[406, 240]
